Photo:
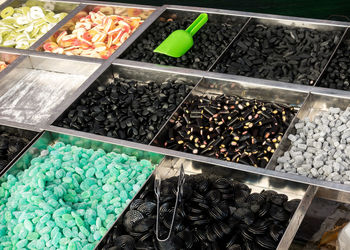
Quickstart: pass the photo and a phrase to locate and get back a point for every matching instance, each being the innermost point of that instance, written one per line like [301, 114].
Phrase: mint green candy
[22, 243]
[67, 232]
[67, 198]
[123, 195]
[32, 236]
[101, 212]
[67, 217]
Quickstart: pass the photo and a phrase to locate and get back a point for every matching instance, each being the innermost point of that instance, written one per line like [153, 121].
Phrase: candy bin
[24, 22]
[204, 206]
[96, 31]
[231, 120]
[66, 191]
[210, 41]
[127, 103]
[32, 91]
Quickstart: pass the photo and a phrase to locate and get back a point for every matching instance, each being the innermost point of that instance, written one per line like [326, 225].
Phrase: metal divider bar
[297, 218]
[164, 161]
[5, 4]
[279, 150]
[331, 57]
[230, 44]
[148, 22]
[20, 154]
[258, 15]
[178, 107]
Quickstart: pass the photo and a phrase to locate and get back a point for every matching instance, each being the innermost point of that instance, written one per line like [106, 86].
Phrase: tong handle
[179, 193]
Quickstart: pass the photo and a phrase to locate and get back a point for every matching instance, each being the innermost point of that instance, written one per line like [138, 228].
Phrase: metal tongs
[179, 193]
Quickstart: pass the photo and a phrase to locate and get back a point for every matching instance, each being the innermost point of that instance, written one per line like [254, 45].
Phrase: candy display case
[115, 125]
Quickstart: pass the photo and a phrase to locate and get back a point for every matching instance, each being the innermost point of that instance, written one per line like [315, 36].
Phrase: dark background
[322, 9]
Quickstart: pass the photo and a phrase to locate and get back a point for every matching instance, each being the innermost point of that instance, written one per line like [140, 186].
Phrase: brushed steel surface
[333, 195]
[32, 91]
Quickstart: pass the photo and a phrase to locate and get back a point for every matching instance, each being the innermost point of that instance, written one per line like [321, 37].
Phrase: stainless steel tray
[265, 18]
[150, 13]
[170, 167]
[50, 138]
[314, 104]
[34, 89]
[323, 215]
[129, 72]
[249, 87]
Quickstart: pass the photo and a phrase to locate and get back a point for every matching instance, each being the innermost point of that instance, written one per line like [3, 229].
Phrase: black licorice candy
[273, 52]
[209, 41]
[126, 109]
[214, 213]
[251, 137]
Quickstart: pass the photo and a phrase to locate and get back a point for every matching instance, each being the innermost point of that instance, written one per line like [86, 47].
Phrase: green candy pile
[68, 197]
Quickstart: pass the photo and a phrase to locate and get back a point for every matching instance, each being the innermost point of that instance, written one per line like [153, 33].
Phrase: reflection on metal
[32, 91]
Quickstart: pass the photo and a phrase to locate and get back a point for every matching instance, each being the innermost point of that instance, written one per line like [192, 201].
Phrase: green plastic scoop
[180, 41]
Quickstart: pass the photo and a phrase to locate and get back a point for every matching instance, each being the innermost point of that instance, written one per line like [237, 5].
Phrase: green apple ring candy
[7, 12]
